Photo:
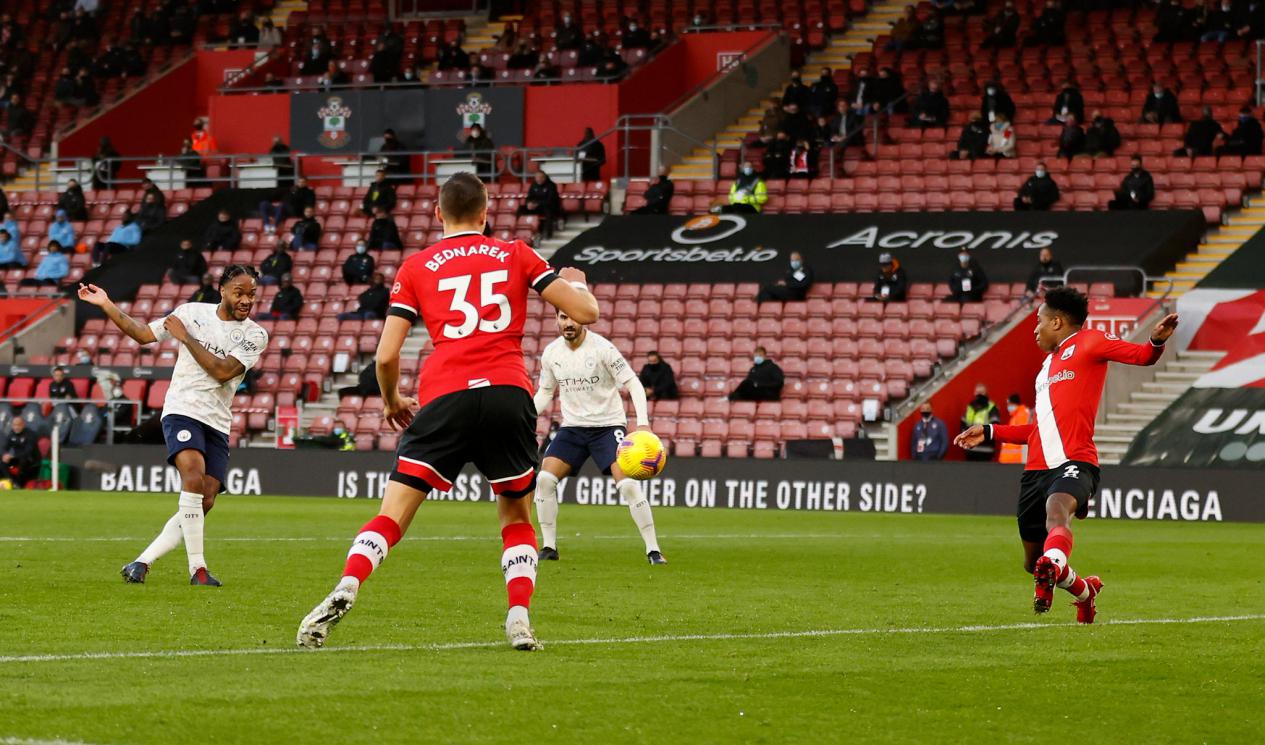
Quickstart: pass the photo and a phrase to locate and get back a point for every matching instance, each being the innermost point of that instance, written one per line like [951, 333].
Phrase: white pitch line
[448, 646]
[489, 537]
[28, 741]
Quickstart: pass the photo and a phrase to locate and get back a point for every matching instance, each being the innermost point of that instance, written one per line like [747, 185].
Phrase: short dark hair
[462, 197]
[1014, 398]
[1068, 301]
[655, 353]
[233, 271]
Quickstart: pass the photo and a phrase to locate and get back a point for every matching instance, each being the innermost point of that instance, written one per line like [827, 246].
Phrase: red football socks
[518, 563]
[370, 547]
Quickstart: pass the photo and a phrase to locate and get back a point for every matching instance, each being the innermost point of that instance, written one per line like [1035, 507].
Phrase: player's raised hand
[571, 274]
[399, 412]
[176, 328]
[1164, 329]
[93, 295]
[970, 437]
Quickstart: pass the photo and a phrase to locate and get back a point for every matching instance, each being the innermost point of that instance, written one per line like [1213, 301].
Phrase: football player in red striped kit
[1062, 470]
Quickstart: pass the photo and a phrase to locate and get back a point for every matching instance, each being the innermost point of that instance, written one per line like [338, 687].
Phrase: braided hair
[234, 271]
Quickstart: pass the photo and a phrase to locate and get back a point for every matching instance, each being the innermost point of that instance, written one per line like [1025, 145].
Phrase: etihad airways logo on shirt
[448, 254]
[1057, 377]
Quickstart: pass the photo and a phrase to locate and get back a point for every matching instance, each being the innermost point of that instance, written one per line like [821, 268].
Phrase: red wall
[246, 122]
[1009, 366]
[212, 67]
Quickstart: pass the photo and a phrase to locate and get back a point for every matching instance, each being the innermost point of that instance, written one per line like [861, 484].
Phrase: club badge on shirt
[1067, 353]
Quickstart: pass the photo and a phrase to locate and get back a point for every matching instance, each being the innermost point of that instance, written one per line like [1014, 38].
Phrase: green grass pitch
[924, 631]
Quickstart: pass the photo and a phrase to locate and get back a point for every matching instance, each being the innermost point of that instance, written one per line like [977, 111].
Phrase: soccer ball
[641, 455]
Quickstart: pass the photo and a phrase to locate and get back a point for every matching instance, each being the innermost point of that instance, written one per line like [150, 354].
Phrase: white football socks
[167, 540]
[639, 506]
[547, 508]
[191, 525]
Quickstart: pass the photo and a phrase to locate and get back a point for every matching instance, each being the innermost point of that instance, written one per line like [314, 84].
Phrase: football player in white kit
[219, 343]
[588, 371]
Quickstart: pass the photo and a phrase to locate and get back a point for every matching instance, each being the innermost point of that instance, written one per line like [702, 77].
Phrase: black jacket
[276, 264]
[1246, 137]
[822, 96]
[64, 389]
[592, 156]
[1072, 100]
[222, 236]
[1000, 102]
[1071, 141]
[308, 231]
[288, 300]
[358, 269]
[935, 105]
[659, 195]
[1102, 136]
[189, 263]
[1201, 134]
[73, 202]
[299, 198]
[798, 93]
[798, 282]
[766, 376]
[1165, 107]
[374, 300]
[1002, 28]
[1043, 191]
[972, 274]
[897, 285]
[24, 447]
[379, 195]
[1053, 269]
[659, 380]
[974, 139]
[382, 232]
[545, 196]
[151, 215]
[1137, 187]
[206, 294]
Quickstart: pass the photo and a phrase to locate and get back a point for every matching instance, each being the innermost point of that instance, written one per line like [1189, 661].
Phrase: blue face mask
[361, 248]
[796, 264]
[758, 359]
[338, 430]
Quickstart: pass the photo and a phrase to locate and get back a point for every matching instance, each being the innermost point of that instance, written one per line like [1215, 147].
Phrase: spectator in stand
[287, 305]
[1171, 22]
[306, 232]
[795, 123]
[764, 380]
[1250, 20]
[84, 92]
[636, 37]
[777, 157]
[269, 36]
[126, 235]
[1219, 25]
[1136, 190]
[1002, 28]
[380, 194]
[658, 195]
[10, 252]
[281, 160]
[930, 34]
[796, 92]
[188, 266]
[567, 35]
[525, 57]
[542, 199]
[293, 201]
[792, 286]
[453, 57]
[1161, 106]
[275, 264]
[1039, 192]
[1102, 137]
[905, 30]
[397, 165]
[191, 162]
[18, 120]
[21, 454]
[483, 152]
[152, 213]
[1071, 139]
[207, 292]
[891, 285]
[61, 230]
[1202, 135]
[803, 160]
[890, 91]
[1001, 137]
[1068, 103]
[358, 267]
[845, 126]
[748, 192]
[968, 281]
[149, 187]
[243, 31]
[223, 234]
[1246, 137]
[372, 302]
[61, 388]
[334, 76]
[383, 233]
[930, 108]
[591, 51]
[316, 59]
[981, 411]
[71, 201]
[931, 440]
[823, 95]
[1047, 268]
[366, 382]
[384, 67]
[1020, 416]
[203, 141]
[53, 268]
[973, 142]
[996, 101]
[1049, 29]
[11, 225]
[105, 166]
[612, 65]
[64, 88]
[592, 156]
[658, 378]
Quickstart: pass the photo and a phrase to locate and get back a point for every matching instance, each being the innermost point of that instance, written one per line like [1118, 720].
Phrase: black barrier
[707, 483]
[845, 247]
[352, 121]
[1206, 427]
[142, 372]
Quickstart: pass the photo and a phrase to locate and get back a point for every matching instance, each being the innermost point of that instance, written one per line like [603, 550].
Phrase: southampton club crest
[334, 116]
[474, 110]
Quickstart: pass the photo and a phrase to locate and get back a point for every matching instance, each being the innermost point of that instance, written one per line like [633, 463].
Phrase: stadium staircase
[1123, 422]
[836, 55]
[1239, 225]
[282, 10]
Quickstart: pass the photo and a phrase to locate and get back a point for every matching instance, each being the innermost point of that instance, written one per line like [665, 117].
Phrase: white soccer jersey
[588, 380]
[193, 392]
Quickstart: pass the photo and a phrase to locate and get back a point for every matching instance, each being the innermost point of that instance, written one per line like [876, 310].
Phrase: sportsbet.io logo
[696, 231]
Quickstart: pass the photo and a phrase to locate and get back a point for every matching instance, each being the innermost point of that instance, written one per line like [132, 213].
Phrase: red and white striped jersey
[1069, 389]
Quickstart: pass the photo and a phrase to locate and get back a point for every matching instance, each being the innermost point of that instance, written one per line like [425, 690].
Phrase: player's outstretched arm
[397, 410]
[970, 438]
[637, 392]
[571, 296]
[140, 332]
[1118, 350]
[223, 369]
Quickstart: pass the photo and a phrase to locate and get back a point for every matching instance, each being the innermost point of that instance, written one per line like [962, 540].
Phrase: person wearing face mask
[1219, 24]
[383, 232]
[1246, 137]
[316, 59]
[1039, 192]
[1202, 135]
[793, 286]
[1020, 416]
[930, 108]
[1002, 28]
[980, 411]
[973, 142]
[931, 439]
[1072, 138]
[764, 380]
[748, 192]
[1001, 137]
[1069, 102]
[658, 378]
[1102, 137]
[1161, 106]
[482, 148]
[796, 92]
[567, 35]
[1047, 267]
[1136, 190]
[358, 267]
[823, 95]
[1049, 27]
[635, 37]
[996, 101]
[891, 285]
[968, 281]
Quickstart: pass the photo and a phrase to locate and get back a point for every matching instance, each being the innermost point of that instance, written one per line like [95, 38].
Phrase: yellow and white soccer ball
[5, 484]
[641, 455]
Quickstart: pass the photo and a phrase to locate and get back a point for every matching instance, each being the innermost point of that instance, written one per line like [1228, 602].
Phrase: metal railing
[1146, 281]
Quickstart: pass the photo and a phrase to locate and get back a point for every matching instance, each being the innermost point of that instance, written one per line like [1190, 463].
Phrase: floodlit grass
[934, 639]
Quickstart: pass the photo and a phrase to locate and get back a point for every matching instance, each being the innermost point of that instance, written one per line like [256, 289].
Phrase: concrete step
[1192, 354]
[1169, 388]
[1142, 407]
[1113, 448]
[1149, 397]
[1182, 378]
[1117, 429]
[1105, 440]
